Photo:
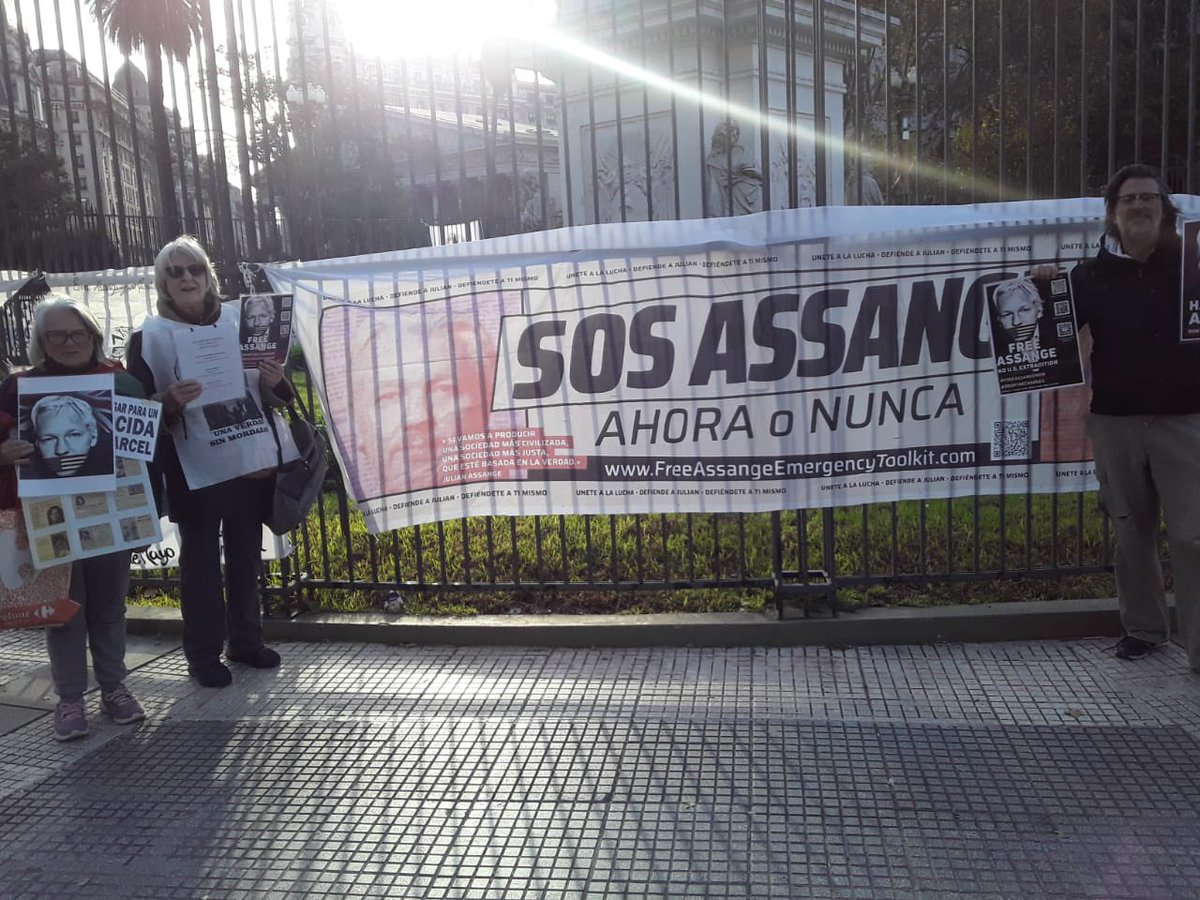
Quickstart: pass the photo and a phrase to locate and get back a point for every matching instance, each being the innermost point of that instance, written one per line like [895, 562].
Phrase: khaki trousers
[1147, 465]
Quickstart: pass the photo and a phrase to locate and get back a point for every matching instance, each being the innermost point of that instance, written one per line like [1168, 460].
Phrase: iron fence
[263, 127]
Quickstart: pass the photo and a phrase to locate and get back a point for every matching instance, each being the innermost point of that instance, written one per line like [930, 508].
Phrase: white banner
[789, 359]
[793, 359]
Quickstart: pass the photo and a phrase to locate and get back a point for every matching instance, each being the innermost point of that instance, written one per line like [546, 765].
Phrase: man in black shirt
[1145, 411]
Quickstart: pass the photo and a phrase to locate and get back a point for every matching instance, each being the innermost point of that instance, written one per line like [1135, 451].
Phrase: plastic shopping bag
[29, 597]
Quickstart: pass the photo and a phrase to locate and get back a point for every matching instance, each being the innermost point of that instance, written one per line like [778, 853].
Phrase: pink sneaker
[70, 722]
[121, 706]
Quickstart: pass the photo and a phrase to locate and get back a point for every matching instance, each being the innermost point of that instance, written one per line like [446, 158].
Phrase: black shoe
[1130, 647]
[210, 673]
[261, 658]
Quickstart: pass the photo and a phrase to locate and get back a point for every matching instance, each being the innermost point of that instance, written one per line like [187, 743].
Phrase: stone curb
[1031, 620]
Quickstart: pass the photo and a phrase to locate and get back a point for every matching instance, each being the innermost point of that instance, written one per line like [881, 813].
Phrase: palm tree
[155, 27]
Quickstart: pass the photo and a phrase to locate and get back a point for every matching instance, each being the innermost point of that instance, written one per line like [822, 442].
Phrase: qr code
[1058, 286]
[1065, 330]
[1010, 440]
[1062, 307]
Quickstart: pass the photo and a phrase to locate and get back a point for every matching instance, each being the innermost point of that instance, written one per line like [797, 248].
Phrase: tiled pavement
[1010, 770]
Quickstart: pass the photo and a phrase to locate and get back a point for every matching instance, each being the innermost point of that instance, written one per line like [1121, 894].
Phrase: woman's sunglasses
[195, 270]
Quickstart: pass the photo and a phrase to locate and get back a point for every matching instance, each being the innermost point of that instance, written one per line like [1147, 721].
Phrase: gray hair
[1017, 286]
[189, 248]
[53, 303]
[57, 403]
[263, 300]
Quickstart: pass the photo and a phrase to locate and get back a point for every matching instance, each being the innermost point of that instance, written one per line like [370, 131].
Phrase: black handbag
[297, 483]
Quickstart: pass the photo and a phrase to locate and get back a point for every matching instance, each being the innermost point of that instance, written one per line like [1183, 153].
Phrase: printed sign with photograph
[1189, 302]
[90, 506]
[1035, 340]
[69, 421]
[76, 526]
[266, 328]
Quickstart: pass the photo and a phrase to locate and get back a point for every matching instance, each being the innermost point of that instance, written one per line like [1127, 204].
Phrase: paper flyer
[212, 357]
[1189, 302]
[266, 328]
[1035, 340]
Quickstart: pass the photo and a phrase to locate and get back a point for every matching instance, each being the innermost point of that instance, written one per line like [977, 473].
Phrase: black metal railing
[282, 140]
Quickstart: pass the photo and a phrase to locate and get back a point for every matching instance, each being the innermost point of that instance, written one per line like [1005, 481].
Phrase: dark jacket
[125, 384]
[219, 500]
[1139, 367]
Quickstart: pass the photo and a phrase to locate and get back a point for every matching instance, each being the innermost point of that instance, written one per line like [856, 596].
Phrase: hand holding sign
[180, 394]
[15, 452]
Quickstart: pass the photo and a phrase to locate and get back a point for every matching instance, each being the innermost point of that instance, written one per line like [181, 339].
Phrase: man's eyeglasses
[195, 270]
[61, 338]
[1130, 199]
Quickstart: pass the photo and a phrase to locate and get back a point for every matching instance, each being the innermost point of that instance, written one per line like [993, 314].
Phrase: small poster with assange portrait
[91, 523]
[266, 328]
[1035, 340]
[1189, 281]
[69, 421]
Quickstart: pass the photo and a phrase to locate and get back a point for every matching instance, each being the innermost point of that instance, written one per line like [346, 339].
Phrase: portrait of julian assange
[71, 435]
[258, 315]
[1018, 315]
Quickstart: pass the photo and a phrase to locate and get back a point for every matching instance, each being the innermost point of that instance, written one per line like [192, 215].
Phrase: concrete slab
[957, 770]
[14, 717]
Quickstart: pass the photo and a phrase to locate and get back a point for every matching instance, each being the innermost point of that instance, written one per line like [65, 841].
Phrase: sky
[392, 28]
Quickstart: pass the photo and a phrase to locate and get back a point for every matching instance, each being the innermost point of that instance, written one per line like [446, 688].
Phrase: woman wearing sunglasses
[216, 461]
[65, 339]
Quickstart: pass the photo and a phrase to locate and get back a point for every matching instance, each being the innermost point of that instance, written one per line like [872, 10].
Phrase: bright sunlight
[394, 28]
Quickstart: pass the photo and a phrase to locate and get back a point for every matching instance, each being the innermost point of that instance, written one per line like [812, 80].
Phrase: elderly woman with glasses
[65, 340]
[216, 461]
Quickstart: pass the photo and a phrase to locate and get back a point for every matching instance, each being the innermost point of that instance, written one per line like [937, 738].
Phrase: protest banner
[792, 359]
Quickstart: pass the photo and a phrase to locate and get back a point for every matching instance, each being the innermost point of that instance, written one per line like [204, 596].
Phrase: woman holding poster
[217, 457]
[65, 339]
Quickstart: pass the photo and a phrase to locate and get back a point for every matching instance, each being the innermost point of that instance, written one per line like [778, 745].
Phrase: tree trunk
[170, 226]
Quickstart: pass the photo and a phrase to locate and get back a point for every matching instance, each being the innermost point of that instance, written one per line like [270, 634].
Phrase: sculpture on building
[734, 185]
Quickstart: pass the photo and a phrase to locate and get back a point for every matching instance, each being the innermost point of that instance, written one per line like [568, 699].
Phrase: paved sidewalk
[1014, 770]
